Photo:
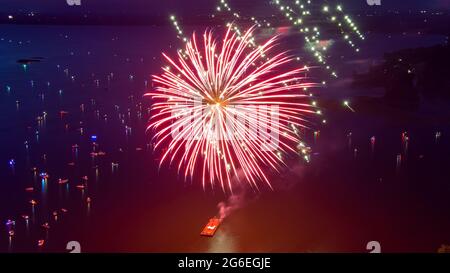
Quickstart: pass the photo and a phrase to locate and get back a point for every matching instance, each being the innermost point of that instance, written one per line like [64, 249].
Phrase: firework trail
[303, 16]
[216, 111]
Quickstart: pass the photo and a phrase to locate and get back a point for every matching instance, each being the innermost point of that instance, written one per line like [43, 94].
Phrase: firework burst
[226, 107]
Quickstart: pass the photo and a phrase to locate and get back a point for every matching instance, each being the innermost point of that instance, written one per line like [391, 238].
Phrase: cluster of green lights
[178, 28]
[312, 35]
[180, 35]
[346, 25]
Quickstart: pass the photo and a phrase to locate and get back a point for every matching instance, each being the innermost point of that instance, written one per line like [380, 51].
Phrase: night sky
[196, 7]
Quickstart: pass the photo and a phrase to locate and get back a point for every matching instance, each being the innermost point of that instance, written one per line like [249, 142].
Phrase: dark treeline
[410, 73]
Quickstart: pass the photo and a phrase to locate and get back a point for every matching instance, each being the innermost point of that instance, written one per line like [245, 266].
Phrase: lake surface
[90, 82]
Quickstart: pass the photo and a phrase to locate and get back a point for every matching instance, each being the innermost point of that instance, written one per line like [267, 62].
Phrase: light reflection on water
[222, 242]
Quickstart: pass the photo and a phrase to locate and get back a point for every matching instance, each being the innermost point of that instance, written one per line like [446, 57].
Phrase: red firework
[225, 107]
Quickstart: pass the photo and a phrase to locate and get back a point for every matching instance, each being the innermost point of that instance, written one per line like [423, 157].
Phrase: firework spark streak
[216, 111]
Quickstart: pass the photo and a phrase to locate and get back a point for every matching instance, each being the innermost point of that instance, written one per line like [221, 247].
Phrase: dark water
[338, 202]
